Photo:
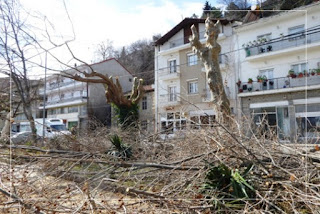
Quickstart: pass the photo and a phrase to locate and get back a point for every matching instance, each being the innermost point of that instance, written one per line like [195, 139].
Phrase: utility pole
[44, 100]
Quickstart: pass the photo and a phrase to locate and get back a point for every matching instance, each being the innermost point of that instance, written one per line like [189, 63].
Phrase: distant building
[146, 110]
[77, 103]
[283, 50]
[17, 105]
[182, 96]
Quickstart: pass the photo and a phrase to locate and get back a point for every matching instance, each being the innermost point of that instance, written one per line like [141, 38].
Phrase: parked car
[22, 137]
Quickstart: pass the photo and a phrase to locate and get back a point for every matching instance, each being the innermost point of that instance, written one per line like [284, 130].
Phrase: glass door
[283, 123]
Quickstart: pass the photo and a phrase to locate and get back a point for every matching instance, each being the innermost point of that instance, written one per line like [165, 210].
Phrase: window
[193, 87]
[62, 96]
[62, 110]
[301, 67]
[172, 93]
[72, 124]
[172, 66]
[72, 109]
[83, 110]
[267, 72]
[192, 59]
[296, 32]
[144, 103]
[144, 125]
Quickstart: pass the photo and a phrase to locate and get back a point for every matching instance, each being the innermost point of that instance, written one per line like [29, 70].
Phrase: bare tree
[105, 50]
[126, 105]
[16, 42]
[209, 54]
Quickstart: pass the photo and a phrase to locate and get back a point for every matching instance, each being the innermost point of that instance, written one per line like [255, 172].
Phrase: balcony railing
[294, 40]
[173, 70]
[279, 83]
[169, 99]
[62, 84]
[65, 100]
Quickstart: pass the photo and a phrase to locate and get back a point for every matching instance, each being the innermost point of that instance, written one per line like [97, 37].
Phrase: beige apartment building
[181, 91]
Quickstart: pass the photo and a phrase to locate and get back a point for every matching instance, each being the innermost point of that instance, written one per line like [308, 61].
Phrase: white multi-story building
[181, 91]
[271, 48]
[75, 102]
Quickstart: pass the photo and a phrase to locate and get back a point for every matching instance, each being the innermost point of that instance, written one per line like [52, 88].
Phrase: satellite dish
[253, 7]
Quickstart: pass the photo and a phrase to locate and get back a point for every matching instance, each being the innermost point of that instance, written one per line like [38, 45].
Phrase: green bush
[125, 151]
[127, 116]
[228, 184]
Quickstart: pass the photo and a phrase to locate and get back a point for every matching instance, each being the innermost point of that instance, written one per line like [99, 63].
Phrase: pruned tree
[126, 105]
[209, 54]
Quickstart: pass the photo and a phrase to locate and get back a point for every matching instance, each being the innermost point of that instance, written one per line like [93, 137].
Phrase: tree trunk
[5, 133]
[209, 55]
[28, 112]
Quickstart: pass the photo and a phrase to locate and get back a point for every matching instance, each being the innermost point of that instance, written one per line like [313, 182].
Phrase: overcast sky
[121, 21]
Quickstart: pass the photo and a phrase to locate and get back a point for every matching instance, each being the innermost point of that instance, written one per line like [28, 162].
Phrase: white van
[53, 127]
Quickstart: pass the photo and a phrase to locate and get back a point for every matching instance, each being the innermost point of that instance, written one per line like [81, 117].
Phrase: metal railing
[66, 100]
[62, 84]
[174, 70]
[169, 98]
[294, 40]
[279, 83]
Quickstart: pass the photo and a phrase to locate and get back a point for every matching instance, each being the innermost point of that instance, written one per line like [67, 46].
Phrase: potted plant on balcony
[239, 83]
[269, 48]
[305, 73]
[271, 82]
[249, 88]
[240, 90]
[318, 71]
[250, 80]
[300, 75]
[312, 72]
[259, 78]
[291, 73]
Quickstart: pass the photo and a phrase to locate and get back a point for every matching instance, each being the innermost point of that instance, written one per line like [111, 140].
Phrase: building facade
[146, 110]
[77, 103]
[278, 71]
[181, 89]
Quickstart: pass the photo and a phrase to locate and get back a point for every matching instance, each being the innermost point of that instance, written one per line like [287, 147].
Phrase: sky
[121, 21]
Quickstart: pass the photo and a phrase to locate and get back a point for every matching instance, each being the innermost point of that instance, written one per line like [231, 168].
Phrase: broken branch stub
[114, 91]
[209, 55]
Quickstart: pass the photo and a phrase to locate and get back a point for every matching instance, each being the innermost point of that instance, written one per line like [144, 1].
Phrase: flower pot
[264, 83]
[271, 83]
[300, 75]
[240, 90]
[249, 89]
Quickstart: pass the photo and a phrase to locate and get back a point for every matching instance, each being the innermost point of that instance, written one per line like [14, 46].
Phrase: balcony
[184, 42]
[169, 99]
[65, 102]
[276, 84]
[297, 40]
[169, 73]
[61, 86]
